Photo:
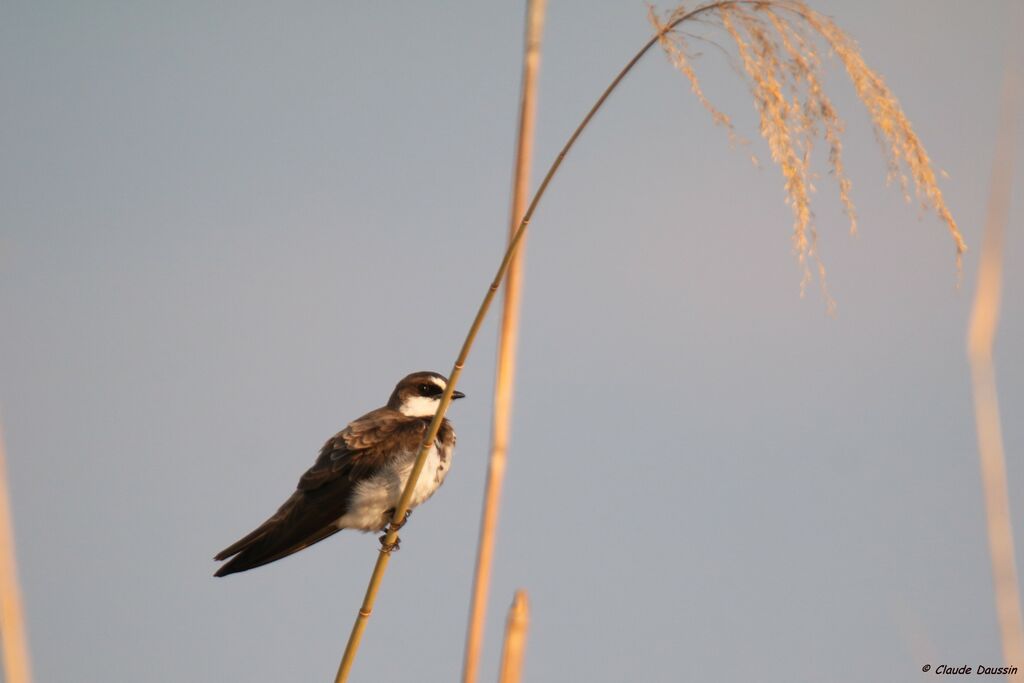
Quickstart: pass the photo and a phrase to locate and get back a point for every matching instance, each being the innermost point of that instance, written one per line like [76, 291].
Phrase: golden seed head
[777, 44]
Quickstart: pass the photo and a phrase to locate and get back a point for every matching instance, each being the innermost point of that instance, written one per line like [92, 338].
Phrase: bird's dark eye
[429, 389]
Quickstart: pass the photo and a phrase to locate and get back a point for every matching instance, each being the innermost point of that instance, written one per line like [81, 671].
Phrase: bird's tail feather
[258, 549]
[242, 543]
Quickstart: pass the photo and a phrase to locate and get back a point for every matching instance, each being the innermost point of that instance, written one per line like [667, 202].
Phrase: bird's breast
[374, 498]
[435, 469]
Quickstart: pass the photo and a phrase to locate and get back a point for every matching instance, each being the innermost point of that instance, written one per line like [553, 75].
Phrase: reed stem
[514, 650]
[17, 667]
[504, 383]
[981, 336]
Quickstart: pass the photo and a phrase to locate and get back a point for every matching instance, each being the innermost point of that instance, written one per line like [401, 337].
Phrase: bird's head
[419, 394]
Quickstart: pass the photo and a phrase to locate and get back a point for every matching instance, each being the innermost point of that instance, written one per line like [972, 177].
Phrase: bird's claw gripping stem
[405, 519]
[386, 547]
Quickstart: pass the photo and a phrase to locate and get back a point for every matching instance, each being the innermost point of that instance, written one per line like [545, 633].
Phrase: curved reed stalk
[504, 382]
[787, 94]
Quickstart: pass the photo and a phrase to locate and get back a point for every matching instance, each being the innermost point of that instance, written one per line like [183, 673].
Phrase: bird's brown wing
[323, 493]
[357, 451]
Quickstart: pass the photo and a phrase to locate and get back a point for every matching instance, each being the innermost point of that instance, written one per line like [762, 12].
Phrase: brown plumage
[357, 478]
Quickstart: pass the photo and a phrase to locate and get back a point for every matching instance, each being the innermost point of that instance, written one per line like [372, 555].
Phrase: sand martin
[358, 478]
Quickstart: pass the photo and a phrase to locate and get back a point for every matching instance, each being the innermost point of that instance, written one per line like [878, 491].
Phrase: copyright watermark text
[980, 670]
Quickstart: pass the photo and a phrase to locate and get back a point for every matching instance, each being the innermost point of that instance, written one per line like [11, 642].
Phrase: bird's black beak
[457, 394]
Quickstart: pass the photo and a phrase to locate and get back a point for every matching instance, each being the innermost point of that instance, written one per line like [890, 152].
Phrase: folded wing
[323, 493]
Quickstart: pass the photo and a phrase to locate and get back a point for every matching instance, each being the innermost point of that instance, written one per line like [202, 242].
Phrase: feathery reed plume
[980, 337]
[516, 626]
[775, 42]
[17, 668]
[748, 23]
[504, 382]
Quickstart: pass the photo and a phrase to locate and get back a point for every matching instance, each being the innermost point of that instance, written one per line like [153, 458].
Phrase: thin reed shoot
[513, 651]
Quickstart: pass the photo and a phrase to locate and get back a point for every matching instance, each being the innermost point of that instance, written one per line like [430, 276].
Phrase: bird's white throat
[420, 406]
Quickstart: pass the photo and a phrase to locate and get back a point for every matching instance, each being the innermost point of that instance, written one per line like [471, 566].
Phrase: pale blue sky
[227, 229]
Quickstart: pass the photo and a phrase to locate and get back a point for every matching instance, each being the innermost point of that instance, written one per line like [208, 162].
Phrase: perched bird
[359, 477]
